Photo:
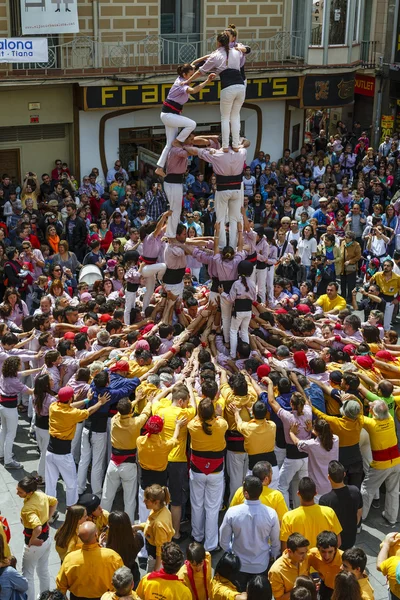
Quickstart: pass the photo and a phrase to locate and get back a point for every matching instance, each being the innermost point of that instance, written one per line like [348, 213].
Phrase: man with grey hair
[123, 582]
[385, 465]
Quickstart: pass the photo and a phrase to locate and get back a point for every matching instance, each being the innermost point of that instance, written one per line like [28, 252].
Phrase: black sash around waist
[149, 477]
[118, 455]
[43, 536]
[175, 178]
[9, 401]
[294, 453]
[207, 462]
[42, 422]
[119, 452]
[57, 446]
[230, 77]
[169, 106]
[228, 182]
[252, 257]
[234, 441]
[215, 285]
[173, 276]
[263, 456]
[132, 287]
[242, 305]
[227, 285]
[280, 441]
[97, 423]
[260, 266]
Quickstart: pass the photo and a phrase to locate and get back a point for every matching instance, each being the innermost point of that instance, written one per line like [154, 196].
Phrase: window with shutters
[31, 133]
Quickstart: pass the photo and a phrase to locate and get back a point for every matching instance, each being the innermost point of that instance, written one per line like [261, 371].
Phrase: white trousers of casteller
[93, 448]
[8, 431]
[231, 102]
[239, 323]
[226, 315]
[206, 494]
[237, 465]
[64, 465]
[228, 201]
[36, 558]
[125, 473]
[149, 274]
[290, 468]
[373, 481]
[174, 192]
[175, 288]
[172, 124]
[261, 283]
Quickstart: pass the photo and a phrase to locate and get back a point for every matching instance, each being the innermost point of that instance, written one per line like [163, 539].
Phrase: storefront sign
[141, 96]
[387, 126]
[49, 16]
[365, 85]
[23, 50]
[333, 90]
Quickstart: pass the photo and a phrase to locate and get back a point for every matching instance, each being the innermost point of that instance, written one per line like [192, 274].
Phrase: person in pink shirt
[171, 112]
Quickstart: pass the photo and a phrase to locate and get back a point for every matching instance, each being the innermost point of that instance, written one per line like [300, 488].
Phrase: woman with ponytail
[227, 63]
[206, 481]
[43, 396]
[158, 528]
[295, 464]
[242, 295]
[321, 449]
[233, 43]
[171, 111]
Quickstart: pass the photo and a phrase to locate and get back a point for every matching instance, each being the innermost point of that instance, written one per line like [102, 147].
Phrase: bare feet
[235, 149]
[225, 149]
[160, 172]
[176, 144]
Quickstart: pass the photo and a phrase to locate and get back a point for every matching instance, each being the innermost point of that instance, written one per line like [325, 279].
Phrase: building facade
[98, 96]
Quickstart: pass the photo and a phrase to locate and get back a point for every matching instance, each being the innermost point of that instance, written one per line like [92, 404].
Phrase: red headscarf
[263, 371]
[300, 358]
[385, 355]
[365, 362]
[154, 425]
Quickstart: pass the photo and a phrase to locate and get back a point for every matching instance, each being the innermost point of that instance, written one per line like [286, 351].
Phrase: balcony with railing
[153, 53]
[369, 55]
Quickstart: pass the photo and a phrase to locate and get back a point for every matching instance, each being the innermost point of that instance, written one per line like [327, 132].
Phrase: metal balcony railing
[153, 50]
[368, 55]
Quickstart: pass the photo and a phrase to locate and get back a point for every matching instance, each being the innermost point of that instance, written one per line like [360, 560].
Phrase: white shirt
[306, 248]
[247, 530]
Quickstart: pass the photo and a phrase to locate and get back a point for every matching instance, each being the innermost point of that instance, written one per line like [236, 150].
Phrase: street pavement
[374, 529]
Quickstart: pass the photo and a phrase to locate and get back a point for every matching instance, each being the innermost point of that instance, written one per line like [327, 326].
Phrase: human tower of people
[260, 412]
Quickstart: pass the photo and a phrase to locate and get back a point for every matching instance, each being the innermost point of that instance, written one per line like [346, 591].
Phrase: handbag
[350, 269]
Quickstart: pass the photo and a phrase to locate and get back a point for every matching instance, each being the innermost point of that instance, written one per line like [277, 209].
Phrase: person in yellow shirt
[259, 435]
[196, 571]
[36, 513]
[225, 584]
[331, 303]
[7, 551]
[207, 442]
[270, 497]
[153, 454]
[158, 528]
[122, 468]
[66, 537]
[140, 366]
[63, 418]
[387, 563]
[240, 394]
[165, 584]
[385, 465]
[88, 571]
[354, 561]
[95, 513]
[292, 564]
[123, 583]
[326, 559]
[309, 518]
[389, 284]
[183, 406]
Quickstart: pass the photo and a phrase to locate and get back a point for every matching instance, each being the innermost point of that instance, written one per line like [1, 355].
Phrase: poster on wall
[387, 125]
[49, 16]
[23, 50]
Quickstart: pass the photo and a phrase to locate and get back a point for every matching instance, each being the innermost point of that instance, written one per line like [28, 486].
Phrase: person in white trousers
[42, 398]
[151, 236]
[229, 199]
[63, 417]
[241, 296]
[36, 512]
[388, 282]
[262, 254]
[295, 464]
[171, 115]
[227, 63]
[132, 278]
[122, 467]
[10, 386]
[206, 479]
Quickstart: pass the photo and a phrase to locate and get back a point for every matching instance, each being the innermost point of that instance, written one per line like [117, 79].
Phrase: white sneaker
[14, 464]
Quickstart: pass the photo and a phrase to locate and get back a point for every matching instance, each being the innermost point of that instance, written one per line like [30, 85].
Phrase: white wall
[272, 129]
